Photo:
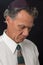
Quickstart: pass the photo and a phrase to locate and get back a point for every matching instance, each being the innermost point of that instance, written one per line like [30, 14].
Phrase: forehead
[24, 13]
[24, 18]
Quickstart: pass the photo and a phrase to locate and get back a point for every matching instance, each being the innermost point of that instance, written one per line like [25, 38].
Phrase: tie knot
[18, 47]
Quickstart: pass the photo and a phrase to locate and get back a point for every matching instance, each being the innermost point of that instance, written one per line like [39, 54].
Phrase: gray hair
[12, 12]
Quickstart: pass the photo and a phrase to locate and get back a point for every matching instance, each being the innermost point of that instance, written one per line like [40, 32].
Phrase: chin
[20, 41]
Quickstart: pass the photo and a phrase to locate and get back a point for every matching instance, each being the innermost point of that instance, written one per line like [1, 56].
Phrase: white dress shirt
[8, 53]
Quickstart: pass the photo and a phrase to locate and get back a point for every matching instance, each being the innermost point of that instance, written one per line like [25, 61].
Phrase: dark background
[36, 34]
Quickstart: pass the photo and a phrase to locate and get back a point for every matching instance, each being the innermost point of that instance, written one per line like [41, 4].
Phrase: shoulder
[28, 42]
[2, 45]
[31, 46]
[1, 40]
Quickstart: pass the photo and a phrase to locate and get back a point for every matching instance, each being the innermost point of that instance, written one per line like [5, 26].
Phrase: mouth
[23, 38]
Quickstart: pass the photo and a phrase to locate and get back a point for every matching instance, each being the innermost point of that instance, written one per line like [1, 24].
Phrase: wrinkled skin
[19, 27]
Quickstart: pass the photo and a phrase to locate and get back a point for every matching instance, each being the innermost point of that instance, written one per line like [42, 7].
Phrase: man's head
[19, 22]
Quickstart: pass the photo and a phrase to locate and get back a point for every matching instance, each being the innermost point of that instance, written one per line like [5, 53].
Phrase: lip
[23, 38]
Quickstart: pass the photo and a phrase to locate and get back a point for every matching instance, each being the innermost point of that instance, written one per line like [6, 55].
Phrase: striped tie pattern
[20, 58]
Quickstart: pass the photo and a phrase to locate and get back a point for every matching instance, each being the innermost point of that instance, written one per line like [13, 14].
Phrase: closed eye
[21, 26]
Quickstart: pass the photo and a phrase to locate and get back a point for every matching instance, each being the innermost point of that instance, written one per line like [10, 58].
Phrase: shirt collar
[9, 42]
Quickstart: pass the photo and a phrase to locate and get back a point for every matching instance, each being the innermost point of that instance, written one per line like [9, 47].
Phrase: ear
[8, 19]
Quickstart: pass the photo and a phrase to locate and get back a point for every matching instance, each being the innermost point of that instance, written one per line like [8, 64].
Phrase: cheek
[18, 34]
[16, 30]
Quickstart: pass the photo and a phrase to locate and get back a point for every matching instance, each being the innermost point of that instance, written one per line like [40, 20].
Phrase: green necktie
[19, 56]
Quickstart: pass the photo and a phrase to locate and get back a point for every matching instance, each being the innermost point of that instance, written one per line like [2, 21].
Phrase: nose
[25, 32]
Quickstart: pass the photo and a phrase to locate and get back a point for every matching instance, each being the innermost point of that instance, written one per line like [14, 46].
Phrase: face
[19, 27]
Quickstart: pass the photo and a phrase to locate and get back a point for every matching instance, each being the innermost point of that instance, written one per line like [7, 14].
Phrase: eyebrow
[25, 26]
[22, 25]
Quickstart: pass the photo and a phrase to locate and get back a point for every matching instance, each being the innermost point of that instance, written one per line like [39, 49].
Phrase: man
[20, 20]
